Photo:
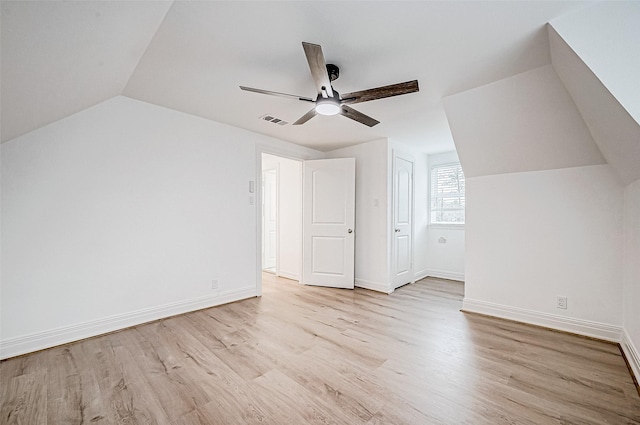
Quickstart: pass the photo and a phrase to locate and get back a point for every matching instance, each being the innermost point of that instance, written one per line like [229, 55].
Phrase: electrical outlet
[214, 284]
[561, 302]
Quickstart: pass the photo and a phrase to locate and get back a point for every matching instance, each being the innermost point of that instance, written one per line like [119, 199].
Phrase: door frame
[277, 201]
[409, 158]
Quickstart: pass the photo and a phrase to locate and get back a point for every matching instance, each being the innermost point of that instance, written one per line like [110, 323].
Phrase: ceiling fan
[329, 101]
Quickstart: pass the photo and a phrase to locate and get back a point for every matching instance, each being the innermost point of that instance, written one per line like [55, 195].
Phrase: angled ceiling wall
[606, 37]
[527, 122]
[59, 58]
[582, 111]
[596, 55]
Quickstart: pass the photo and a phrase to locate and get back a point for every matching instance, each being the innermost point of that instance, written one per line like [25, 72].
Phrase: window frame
[451, 225]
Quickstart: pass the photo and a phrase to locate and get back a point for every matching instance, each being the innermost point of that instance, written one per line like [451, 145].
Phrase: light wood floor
[305, 355]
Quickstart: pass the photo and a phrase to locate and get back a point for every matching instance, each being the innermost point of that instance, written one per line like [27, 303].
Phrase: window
[447, 194]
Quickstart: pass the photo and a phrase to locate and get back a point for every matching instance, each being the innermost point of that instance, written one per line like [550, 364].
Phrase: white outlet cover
[561, 302]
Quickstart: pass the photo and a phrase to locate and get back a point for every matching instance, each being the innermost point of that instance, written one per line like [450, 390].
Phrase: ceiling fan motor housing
[333, 71]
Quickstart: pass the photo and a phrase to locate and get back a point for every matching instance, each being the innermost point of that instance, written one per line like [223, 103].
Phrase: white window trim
[451, 226]
[447, 226]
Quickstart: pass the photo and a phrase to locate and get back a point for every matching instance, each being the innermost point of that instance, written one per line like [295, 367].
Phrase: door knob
[349, 231]
[397, 230]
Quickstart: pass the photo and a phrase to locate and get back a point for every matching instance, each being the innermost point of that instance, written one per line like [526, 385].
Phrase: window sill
[446, 226]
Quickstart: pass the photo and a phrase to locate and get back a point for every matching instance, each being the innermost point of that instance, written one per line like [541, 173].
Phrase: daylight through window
[447, 194]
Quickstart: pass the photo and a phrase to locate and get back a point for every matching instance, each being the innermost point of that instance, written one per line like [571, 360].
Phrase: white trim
[287, 275]
[429, 196]
[553, 321]
[632, 354]
[261, 208]
[26, 344]
[373, 286]
[443, 274]
[448, 226]
[420, 275]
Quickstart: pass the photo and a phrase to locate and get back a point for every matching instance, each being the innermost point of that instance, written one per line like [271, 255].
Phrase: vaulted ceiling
[59, 57]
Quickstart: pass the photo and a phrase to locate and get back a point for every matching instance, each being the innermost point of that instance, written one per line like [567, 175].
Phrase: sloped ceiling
[614, 130]
[596, 56]
[527, 122]
[607, 37]
[60, 57]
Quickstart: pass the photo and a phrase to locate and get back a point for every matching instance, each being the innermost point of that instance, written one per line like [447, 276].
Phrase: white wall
[631, 311]
[533, 236]
[421, 216]
[289, 214]
[120, 214]
[290, 218]
[268, 193]
[372, 261]
[543, 212]
[445, 260]
[595, 53]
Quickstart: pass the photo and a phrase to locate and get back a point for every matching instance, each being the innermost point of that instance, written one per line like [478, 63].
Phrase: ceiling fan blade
[318, 68]
[380, 92]
[348, 112]
[275, 93]
[306, 117]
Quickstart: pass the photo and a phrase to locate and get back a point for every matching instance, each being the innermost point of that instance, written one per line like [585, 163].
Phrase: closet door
[402, 234]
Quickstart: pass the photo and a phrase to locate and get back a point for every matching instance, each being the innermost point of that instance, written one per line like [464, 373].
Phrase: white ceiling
[615, 131]
[60, 57]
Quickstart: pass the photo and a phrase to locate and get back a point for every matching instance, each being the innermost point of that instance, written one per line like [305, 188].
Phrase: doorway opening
[281, 216]
[326, 219]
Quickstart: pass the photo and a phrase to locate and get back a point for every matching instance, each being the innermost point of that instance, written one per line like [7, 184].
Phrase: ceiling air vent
[273, 119]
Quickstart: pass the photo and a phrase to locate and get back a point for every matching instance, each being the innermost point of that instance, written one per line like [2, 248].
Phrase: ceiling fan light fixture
[329, 101]
[328, 106]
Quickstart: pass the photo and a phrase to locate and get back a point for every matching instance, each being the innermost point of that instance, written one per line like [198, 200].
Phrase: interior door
[402, 246]
[328, 222]
[269, 219]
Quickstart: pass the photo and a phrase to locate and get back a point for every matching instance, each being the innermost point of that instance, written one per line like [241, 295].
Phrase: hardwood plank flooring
[309, 355]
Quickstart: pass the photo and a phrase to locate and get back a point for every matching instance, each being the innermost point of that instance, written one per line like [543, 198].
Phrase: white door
[269, 219]
[402, 245]
[328, 219]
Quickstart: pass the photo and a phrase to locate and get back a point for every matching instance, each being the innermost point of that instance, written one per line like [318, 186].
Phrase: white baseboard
[287, 275]
[553, 321]
[374, 286]
[420, 275]
[443, 274]
[26, 344]
[632, 353]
